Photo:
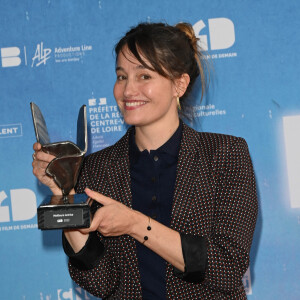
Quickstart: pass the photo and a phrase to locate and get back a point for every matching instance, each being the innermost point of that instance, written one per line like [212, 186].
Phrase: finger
[37, 146]
[94, 225]
[85, 230]
[99, 197]
[39, 164]
[39, 167]
[42, 156]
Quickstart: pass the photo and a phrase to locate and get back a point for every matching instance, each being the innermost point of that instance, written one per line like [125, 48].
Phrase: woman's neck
[153, 136]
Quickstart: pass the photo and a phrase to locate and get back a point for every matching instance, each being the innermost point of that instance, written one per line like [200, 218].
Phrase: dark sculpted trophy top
[66, 211]
[64, 169]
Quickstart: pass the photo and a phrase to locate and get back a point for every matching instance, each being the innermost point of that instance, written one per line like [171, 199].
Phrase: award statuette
[66, 211]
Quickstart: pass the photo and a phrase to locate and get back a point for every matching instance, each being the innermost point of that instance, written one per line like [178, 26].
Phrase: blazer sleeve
[94, 268]
[229, 244]
[220, 259]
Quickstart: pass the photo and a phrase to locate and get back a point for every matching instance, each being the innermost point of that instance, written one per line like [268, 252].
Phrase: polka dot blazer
[215, 197]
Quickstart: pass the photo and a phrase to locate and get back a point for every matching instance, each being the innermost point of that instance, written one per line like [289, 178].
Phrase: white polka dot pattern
[215, 197]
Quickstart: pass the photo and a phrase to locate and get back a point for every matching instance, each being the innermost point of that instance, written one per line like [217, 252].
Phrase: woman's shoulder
[213, 141]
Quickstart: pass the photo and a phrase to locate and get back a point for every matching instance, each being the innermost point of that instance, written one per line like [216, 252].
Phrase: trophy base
[56, 212]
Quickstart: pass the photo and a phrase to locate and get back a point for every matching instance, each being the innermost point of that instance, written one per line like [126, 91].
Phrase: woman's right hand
[39, 164]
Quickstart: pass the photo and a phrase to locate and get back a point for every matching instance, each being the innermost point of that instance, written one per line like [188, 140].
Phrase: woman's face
[144, 97]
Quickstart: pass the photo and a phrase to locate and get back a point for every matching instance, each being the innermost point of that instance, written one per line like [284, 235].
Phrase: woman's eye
[145, 76]
[121, 77]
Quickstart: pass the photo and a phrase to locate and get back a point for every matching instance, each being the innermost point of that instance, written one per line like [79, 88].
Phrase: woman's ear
[181, 84]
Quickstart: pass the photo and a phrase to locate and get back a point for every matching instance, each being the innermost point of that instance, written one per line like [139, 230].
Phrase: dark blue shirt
[153, 178]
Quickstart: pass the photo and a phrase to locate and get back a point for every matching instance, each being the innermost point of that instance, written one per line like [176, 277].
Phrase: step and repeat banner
[59, 54]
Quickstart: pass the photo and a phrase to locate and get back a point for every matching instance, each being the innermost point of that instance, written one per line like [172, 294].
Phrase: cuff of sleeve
[89, 256]
[194, 251]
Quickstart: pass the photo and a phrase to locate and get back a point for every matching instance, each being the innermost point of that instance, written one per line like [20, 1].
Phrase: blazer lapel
[184, 181]
[191, 171]
[118, 173]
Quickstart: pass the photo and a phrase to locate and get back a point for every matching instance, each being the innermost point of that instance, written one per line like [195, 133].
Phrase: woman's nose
[130, 88]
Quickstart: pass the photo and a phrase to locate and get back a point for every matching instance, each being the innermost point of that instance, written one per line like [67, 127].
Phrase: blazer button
[155, 158]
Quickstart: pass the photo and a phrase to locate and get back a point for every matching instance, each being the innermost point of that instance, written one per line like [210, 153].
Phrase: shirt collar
[170, 147]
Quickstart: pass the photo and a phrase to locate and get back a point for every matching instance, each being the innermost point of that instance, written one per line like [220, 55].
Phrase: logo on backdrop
[11, 130]
[200, 111]
[70, 294]
[21, 207]
[220, 36]
[10, 57]
[71, 54]
[103, 119]
[291, 127]
[247, 282]
[40, 54]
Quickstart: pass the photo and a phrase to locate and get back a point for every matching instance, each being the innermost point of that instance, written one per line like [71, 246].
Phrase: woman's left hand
[113, 219]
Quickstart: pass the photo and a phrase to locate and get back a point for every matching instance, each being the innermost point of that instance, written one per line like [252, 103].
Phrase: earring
[178, 103]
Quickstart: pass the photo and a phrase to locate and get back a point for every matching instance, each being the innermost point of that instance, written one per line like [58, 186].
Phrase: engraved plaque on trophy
[65, 211]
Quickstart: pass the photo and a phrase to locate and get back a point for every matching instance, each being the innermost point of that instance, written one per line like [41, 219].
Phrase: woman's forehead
[125, 55]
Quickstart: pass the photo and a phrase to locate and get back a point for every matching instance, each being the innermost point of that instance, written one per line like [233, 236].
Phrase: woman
[178, 207]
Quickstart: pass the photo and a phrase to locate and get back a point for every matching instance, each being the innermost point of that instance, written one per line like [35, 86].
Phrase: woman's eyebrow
[137, 67]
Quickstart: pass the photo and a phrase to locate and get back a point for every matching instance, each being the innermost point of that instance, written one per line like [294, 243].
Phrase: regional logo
[216, 35]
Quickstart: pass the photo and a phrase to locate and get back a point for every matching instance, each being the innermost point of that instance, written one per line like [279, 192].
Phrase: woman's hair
[170, 50]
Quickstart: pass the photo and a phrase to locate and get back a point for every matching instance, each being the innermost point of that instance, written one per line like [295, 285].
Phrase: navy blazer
[215, 198]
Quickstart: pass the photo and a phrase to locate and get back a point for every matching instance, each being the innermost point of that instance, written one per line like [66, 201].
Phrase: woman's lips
[133, 104]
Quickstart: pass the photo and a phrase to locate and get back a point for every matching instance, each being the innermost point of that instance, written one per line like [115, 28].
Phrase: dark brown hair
[170, 50]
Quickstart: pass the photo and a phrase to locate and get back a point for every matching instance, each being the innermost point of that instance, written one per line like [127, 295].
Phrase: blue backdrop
[59, 54]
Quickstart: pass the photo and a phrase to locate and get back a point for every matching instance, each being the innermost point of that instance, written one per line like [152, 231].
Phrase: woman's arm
[115, 219]
[88, 258]
[235, 213]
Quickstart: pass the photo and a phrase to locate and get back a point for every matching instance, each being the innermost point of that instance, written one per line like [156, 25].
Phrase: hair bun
[189, 31]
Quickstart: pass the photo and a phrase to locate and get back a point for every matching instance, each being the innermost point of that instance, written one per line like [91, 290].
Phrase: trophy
[65, 211]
